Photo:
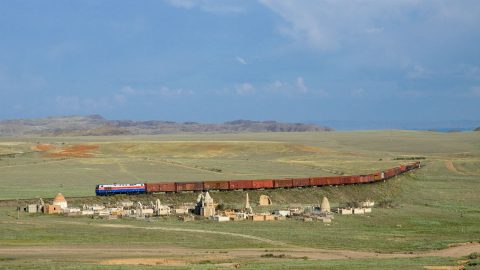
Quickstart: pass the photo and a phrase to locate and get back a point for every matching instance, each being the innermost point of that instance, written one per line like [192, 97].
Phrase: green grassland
[431, 208]
[222, 156]
[267, 264]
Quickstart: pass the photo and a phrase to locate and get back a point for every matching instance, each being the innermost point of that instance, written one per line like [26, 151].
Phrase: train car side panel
[257, 184]
[240, 184]
[282, 183]
[188, 186]
[215, 185]
[301, 182]
[160, 187]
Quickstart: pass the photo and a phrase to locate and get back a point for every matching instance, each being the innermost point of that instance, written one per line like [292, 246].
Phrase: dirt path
[105, 251]
[451, 167]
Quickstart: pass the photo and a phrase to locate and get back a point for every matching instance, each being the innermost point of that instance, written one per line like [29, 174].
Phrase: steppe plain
[430, 217]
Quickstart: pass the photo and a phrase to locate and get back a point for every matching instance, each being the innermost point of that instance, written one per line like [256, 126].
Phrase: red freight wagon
[301, 182]
[346, 180]
[351, 179]
[262, 184]
[189, 186]
[389, 173]
[160, 187]
[282, 183]
[240, 184]
[363, 179]
[215, 185]
[318, 181]
[370, 178]
[336, 180]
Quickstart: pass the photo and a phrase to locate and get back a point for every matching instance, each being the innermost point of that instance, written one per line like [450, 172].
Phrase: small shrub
[387, 203]
[474, 255]
[353, 204]
[270, 255]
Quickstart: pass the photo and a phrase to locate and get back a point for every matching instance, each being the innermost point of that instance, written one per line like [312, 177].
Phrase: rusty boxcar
[188, 186]
[267, 183]
[282, 183]
[215, 185]
[240, 184]
[160, 187]
[301, 182]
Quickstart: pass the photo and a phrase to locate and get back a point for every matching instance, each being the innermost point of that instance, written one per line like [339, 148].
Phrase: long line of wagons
[111, 189]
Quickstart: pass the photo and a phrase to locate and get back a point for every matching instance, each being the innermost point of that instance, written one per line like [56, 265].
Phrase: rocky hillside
[96, 125]
[477, 129]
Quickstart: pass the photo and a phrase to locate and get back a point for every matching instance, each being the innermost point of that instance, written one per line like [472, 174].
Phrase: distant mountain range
[96, 125]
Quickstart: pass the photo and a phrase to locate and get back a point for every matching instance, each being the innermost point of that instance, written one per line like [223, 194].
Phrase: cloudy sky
[213, 61]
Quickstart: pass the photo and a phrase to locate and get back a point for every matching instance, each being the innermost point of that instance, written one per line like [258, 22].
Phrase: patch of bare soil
[456, 250]
[443, 267]
[42, 147]
[145, 261]
[78, 151]
[180, 261]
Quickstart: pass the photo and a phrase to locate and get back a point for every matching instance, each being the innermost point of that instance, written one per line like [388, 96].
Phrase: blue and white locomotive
[111, 189]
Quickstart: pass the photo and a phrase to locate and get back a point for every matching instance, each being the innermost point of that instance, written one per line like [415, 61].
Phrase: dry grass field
[430, 209]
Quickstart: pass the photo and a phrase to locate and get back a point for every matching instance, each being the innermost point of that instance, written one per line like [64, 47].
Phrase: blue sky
[214, 61]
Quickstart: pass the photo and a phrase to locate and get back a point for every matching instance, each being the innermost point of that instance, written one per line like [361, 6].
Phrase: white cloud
[163, 91]
[301, 85]
[330, 24]
[188, 4]
[295, 88]
[241, 60]
[244, 89]
[212, 6]
[130, 90]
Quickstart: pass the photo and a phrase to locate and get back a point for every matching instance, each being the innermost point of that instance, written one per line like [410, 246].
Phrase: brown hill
[96, 125]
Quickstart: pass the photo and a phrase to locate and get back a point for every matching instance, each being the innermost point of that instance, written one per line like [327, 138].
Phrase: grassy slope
[240, 156]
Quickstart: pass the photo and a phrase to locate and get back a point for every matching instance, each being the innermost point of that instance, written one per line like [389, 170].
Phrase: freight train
[111, 189]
